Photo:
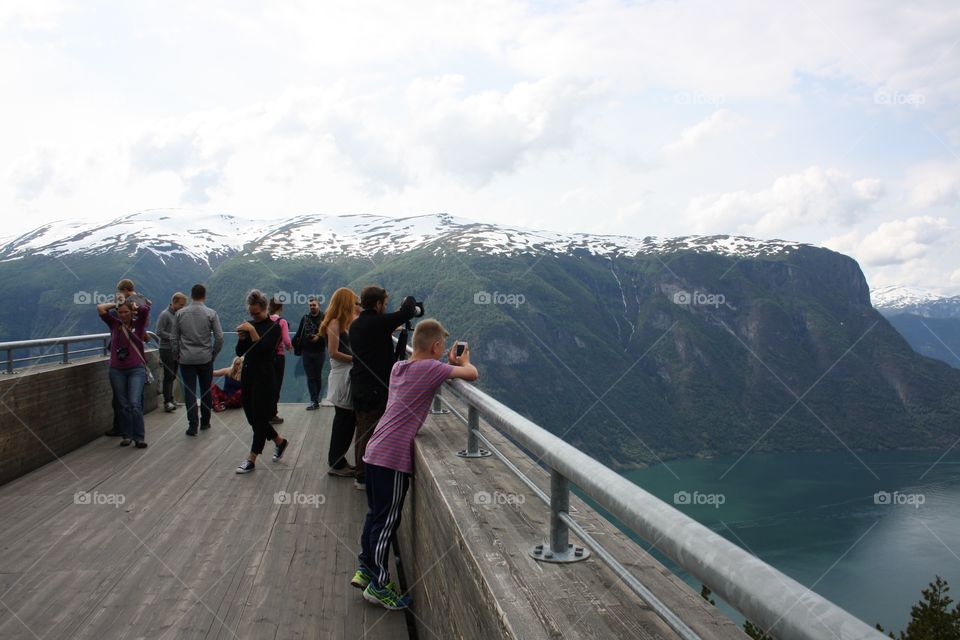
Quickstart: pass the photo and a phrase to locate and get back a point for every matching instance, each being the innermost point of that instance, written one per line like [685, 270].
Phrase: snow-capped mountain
[895, 300]
[210, 238]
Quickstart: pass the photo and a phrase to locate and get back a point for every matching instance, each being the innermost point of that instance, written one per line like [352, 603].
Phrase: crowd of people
[380, 398]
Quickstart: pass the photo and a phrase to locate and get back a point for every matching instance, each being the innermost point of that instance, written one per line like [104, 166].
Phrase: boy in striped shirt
[389, 454]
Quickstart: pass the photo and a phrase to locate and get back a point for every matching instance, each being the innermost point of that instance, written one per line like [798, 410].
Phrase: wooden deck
[194, 550]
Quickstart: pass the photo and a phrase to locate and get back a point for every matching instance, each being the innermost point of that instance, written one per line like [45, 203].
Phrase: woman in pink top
[279, 359]
[128, 363]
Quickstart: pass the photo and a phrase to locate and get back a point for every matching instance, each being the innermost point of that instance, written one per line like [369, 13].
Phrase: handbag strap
[130, 342]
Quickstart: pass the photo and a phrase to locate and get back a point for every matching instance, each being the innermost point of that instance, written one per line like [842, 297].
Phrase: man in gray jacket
[168, 350]
[195, 349]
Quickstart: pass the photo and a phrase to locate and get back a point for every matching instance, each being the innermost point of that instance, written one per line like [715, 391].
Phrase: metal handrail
[770, 599]
[64, 341]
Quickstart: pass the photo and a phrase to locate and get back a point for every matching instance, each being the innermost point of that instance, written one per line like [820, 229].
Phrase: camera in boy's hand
[459, 354]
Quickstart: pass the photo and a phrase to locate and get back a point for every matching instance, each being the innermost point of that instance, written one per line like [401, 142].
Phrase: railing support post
[9, 360]
[66, 353]
[559, 549]
[473, 449]
[437, 408]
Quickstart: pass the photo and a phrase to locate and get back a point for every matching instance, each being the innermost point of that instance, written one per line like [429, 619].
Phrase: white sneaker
[169, 407]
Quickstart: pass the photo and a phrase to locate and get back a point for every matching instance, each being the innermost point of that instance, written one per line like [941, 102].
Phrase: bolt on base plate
[574, 553]
[481, 453]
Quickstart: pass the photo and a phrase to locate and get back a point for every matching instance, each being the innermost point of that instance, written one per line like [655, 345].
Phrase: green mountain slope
[634, 359]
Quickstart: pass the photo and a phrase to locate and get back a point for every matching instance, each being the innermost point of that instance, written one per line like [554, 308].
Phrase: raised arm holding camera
[373, 356]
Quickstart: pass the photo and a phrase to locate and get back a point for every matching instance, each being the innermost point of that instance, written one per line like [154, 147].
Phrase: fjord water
[815, 517]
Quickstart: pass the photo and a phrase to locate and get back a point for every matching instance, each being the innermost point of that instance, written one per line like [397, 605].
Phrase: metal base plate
[482, 453]
[435, 412]
[574, 553]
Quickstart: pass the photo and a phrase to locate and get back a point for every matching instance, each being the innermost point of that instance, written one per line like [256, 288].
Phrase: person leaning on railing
[128, 372]
[389, 454]
[371, 342]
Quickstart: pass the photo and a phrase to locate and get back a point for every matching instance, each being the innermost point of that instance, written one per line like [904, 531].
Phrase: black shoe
[313, 407]
[280, 448]
[342, 472]
[192, 431]
[246, 467]
[141, 444]
[113, 433]
[204, 427]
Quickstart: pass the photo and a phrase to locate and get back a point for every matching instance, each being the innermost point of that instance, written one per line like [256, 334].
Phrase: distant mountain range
[929, 321]
[635, 349]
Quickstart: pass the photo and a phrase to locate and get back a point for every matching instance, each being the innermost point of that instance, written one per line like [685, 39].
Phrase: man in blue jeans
[311, 346]
[197, 339]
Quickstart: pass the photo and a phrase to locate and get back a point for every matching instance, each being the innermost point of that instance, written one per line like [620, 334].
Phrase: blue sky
[837, 125]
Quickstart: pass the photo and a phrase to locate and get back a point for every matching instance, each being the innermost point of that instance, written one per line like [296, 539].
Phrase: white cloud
[895, 242]
[869, 189]
[934, 184]
[37, 173]
[493, 109]
[483, 134]
[31, 15]
[815, 196]
[719, 121]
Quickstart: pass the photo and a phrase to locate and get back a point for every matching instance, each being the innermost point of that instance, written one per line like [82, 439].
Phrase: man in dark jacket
[311, 346]
[371, 342]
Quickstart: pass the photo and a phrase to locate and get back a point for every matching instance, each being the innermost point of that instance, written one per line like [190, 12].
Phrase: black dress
[258, 381]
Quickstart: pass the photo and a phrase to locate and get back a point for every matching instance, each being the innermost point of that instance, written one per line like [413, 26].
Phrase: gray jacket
[191, 334]
[165, 324]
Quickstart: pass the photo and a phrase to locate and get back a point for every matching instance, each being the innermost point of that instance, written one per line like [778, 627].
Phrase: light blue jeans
[128, 390]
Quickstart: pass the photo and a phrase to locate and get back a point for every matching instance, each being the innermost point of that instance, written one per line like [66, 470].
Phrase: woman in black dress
[257, 343]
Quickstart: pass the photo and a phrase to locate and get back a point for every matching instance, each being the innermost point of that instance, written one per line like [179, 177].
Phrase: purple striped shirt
[413, 383]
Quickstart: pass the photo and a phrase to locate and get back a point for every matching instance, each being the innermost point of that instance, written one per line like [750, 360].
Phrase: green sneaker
[386, 597]
[361, 579]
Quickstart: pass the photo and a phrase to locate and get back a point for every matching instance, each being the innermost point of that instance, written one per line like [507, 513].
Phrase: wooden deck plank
[194, 551]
